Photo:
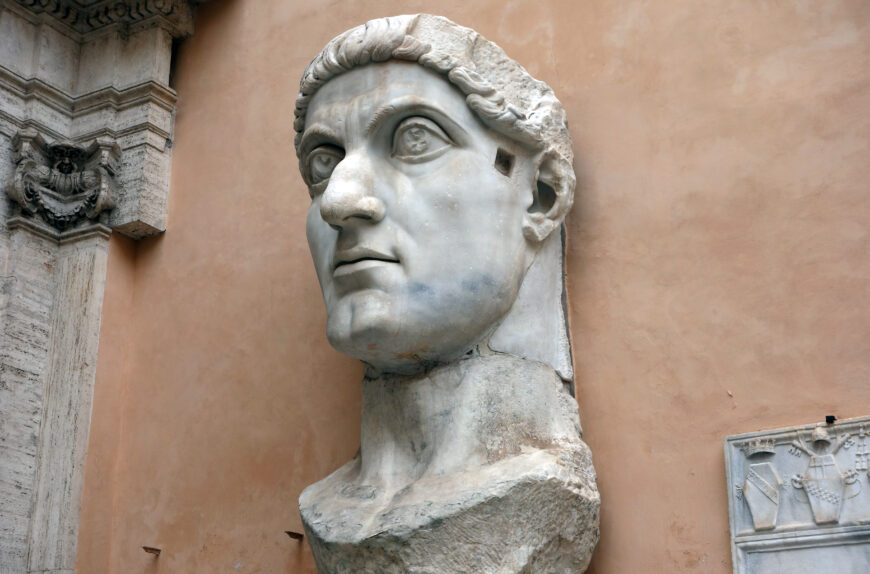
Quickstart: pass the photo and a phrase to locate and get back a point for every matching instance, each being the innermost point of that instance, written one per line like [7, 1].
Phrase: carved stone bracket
[61, 182]
[117, 88]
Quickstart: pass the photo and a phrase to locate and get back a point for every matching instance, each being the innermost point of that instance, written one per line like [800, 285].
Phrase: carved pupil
[419, 139]
[415, 140]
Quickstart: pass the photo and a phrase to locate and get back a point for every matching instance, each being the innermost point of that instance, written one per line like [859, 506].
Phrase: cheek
[490, 211]
[465, 197]
[321, 241]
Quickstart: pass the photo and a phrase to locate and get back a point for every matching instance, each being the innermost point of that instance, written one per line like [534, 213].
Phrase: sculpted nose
[348, 196]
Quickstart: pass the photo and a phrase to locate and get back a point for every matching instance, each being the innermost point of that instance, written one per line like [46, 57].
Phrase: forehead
[368, 88]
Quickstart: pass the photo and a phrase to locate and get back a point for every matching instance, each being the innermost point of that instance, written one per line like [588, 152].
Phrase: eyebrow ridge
[403, 103]
[379, 116]
[314, 132]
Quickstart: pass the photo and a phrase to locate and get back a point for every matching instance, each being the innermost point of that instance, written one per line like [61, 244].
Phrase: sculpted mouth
[352, 261]
[360, 255]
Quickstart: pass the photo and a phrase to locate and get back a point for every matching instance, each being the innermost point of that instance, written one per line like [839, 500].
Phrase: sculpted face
[415, 226]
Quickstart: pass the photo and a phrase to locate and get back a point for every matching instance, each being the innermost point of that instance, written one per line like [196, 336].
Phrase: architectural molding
[33, 89]
[86, 116]
[89, 16]
[40, 229]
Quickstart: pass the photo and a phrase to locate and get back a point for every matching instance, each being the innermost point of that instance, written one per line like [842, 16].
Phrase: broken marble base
[542, 519]
[472, 466]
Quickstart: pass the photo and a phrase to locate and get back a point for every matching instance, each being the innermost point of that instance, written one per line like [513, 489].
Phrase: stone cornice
[88, 16]
[33, 89]
[119, 99]
[28, 88]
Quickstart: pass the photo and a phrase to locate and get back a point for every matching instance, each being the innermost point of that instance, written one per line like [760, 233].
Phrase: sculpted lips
[359, 258]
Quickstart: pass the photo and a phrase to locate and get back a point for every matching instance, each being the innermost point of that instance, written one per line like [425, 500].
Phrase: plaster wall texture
[718, 275]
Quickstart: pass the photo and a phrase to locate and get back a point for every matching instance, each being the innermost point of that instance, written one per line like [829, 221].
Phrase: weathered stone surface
[112, 85]
[799, 499]
[486, 473]
[440, 173]
[87, 16]
[28, 289]
[536, 327]
[63, 183]
[73, 341]
[85, 131]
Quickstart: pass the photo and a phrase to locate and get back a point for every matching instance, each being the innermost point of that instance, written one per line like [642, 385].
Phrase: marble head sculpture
[440, 173]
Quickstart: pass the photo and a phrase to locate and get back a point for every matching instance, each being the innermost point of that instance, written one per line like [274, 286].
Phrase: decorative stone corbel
[63, 183]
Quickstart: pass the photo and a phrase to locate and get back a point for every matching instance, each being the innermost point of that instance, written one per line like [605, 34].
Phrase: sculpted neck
[460, 416]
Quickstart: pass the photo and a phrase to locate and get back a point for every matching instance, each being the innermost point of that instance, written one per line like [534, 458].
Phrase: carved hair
[497, 89]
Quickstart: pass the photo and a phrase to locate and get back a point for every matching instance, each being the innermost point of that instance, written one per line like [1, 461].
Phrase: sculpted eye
[321, 161]
[419, 139]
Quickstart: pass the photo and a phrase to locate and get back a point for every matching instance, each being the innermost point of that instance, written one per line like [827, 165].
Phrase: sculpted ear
[553, 197]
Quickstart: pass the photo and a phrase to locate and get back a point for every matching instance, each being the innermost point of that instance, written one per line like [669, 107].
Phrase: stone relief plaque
[799, 499]
[439, 173]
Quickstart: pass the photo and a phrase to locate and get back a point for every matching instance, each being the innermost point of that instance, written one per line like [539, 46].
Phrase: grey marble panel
[799, 499]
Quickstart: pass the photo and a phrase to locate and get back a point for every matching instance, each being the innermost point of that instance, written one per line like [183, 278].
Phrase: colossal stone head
[440, 174]
[438, 170]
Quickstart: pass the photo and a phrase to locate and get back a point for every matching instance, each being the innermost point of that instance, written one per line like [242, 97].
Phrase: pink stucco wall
[719, 274]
